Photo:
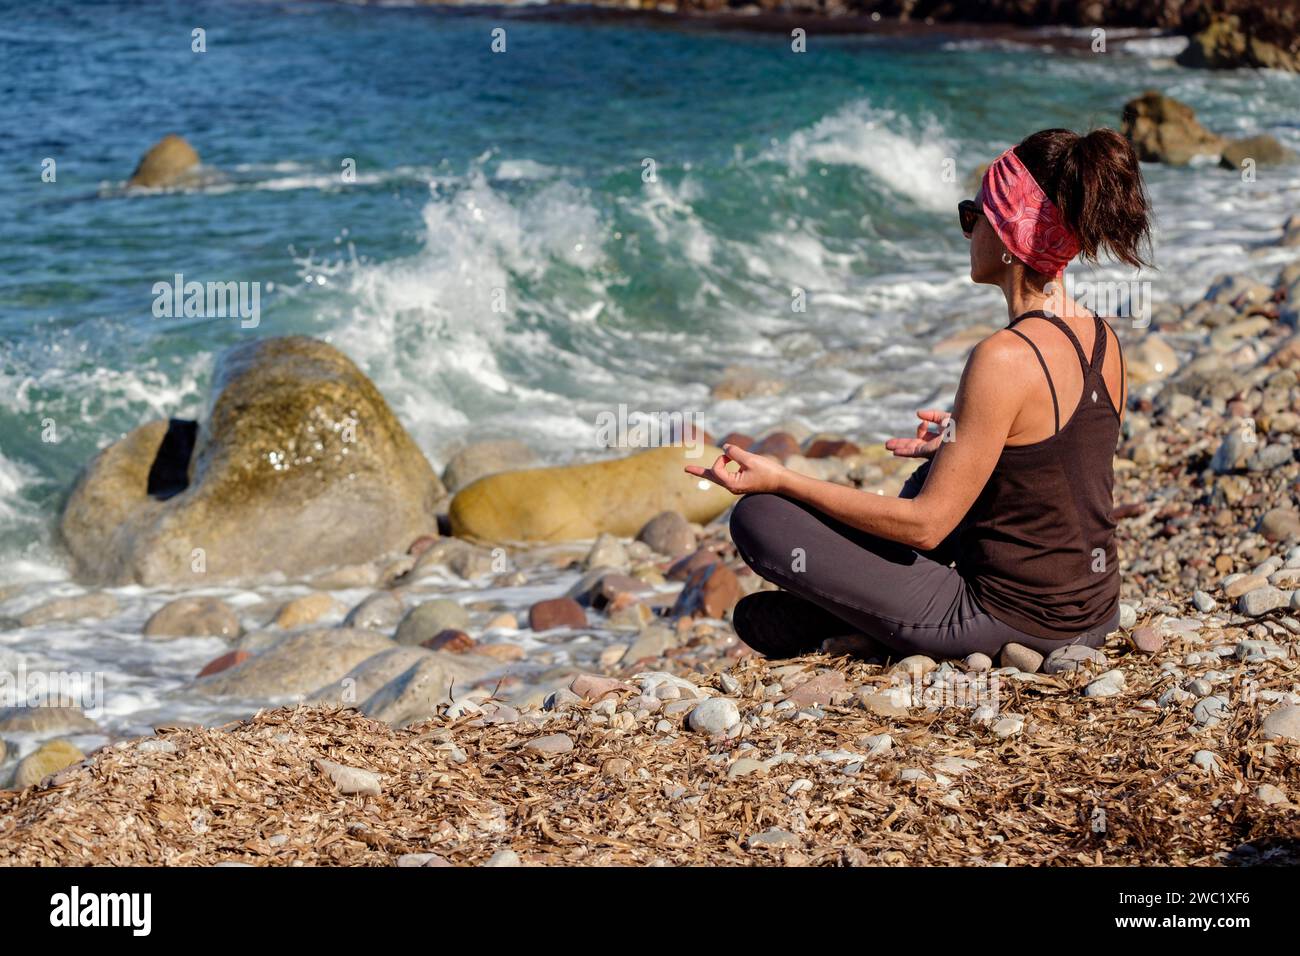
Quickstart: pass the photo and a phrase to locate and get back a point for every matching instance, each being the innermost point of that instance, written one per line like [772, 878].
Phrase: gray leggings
[913, 603]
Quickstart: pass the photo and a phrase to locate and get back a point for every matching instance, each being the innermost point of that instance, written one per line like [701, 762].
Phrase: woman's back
[1038, 545]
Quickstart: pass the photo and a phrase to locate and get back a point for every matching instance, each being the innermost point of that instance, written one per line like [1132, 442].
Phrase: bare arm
[988, 401]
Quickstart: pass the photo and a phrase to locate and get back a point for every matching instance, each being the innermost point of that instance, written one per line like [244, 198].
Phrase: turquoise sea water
[519, 178]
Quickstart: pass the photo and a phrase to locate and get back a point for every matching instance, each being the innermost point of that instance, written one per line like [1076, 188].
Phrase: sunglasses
[968, 210]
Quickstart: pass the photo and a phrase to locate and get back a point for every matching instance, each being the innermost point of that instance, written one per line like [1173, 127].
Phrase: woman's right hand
[926, 442]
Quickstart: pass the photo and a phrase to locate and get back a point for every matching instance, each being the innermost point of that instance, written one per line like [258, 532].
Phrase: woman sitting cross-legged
[1005, 535]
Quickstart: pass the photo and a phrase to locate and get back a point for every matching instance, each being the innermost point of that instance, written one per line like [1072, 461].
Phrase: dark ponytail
[1096, 182]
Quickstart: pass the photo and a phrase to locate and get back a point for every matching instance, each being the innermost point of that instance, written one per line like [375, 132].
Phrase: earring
[1006, 257]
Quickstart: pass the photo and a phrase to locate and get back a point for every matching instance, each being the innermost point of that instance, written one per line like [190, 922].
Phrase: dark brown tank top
[1038, 547]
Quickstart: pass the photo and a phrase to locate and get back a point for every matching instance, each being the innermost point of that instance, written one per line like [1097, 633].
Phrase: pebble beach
[356, 581]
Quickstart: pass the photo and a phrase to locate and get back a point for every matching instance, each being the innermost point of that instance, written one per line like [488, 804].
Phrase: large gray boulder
[300, 466]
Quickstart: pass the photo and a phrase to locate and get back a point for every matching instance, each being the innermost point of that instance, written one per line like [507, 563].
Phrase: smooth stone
[504, 858]
[421, 859]
[650, 644]
[1208, 762]
[1204, 603]
[979, 662]
[745, 766]
[550, 744]
[169, 162]
[1270, 795]
[1021, 658]
[606, 552]
[296, 664]
[710, 591]
[1127, 616]
[556, 612]
[417, 692]
[307, 609]
[486, 458]
[1108, 684]
[774, 838]
[1282, 724]
[430, 619]
[917, 665]
[574, 502]
[224, 662]
[668, 533]
[1008, 726]
[300, 467]
[76, 608]
[717, 715]
[350, 780]
[1262, 600]
[1200, 687]
[1147, 639]
[1073, 657]
[819, 689]
[49, 758]
[594, 687]
[381, 611]
[1244, 584]
[193, 617]
[1209, 711]
[45, 720]
[884, 704]
[1254, 652]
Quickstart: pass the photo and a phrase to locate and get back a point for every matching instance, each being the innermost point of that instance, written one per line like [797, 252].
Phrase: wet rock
[1164, 130]
[668, 533]
[421, 689]
[307, 609]
[193, 617]
[452, 641]
[556, 612]
[296, 664]
[49, 758]
[381, 611]
[486, 458]
[79, 607]
[573, 502]
[710, 591]
[1021, 658]
[1261, 150]
[779, 445]
[170, 162]
[294, 421]
[45, 720]
[224, 662]
[427, 620]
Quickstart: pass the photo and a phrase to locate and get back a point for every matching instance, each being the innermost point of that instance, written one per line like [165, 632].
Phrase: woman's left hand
[757, 473]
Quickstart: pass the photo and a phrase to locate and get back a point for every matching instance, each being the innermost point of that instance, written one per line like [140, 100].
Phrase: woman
[1005, 535]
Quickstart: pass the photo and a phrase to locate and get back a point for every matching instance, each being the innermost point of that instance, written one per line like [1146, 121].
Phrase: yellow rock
[307, 609]
[50, 758]
[169, 162]
[574, 502]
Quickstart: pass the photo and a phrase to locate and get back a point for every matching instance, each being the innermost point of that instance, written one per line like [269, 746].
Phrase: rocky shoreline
[1223, 34]
[1177, 745]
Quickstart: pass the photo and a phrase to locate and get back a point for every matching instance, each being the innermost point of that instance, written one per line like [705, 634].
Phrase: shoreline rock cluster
[1195, 697]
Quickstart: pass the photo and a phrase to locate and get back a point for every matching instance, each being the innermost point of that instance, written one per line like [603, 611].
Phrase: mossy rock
[301, 466]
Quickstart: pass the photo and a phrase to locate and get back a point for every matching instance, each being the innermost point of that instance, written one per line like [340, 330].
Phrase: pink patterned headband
[1027, 222]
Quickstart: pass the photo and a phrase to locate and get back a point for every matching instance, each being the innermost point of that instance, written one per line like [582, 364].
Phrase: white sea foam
[908, 158]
